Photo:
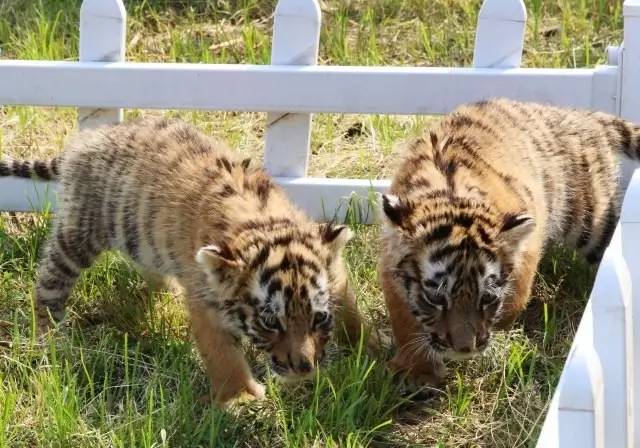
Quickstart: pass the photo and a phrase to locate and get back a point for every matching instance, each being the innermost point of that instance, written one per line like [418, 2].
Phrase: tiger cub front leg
[350, 324]
[413, 358]
[225, 363]
[524, 277]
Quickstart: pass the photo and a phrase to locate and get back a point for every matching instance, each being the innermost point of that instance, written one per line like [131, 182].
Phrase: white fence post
[576, 414]
[580, 401]
[102, 38]
[296, 36]
[630, 83]
[612, 332]
[630, 230]
[500, 34]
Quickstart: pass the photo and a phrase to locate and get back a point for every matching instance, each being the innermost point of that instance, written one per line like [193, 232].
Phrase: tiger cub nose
[467, 346]
[305, 366]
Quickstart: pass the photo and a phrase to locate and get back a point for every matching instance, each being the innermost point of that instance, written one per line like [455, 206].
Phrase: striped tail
[36, 169]
[629, 135]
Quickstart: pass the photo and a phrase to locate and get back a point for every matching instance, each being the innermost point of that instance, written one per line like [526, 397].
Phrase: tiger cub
[471, 210]
[183, 205]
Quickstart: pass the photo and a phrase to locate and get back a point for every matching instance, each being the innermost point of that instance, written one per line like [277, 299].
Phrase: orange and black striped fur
[473, 206]
[181, 204]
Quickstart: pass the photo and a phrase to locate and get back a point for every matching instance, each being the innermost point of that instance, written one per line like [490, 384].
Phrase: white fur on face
[430, 270]
[275, 303]
[434, 272]
[320, 296]
[491, 268]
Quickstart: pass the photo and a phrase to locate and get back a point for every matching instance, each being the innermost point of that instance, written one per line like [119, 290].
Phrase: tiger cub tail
[625, 133]
[34, 169]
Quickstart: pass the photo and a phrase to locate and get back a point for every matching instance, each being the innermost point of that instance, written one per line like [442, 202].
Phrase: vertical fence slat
[102, 38]
[629, 79]
[630, 230]
[500, 34]
[611, 305]
[580, 392]
[630, 82]
[296, 36]
[576, 412]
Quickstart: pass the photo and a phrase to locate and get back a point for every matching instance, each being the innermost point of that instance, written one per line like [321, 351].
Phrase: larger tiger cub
[471, 210]
[181, 204]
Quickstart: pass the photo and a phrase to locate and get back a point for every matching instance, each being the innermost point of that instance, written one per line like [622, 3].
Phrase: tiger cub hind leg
[157, 283]
[64, 259]
[413, 360]
[224, 361]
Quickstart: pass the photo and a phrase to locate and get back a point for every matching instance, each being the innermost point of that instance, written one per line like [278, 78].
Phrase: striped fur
[471, 210]
[35, 169]
[183, 205]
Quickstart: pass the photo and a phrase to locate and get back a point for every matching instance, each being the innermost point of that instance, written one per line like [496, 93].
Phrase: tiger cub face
[453, 259]
[282, 296]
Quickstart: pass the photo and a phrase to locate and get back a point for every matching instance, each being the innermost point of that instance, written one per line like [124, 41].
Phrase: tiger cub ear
[395, 209]
[335, 236]
[516, 227]
[218, 256]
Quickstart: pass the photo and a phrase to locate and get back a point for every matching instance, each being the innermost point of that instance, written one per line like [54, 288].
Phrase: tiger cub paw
[255, 390]
[239, 393]
[45, 325]
[419, 377]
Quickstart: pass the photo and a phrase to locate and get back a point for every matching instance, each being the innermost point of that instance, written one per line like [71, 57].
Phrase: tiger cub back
[471, 210]
[182, 204]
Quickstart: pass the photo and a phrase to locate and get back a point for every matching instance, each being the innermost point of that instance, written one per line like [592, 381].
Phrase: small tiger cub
[471, 210]
[183, 205]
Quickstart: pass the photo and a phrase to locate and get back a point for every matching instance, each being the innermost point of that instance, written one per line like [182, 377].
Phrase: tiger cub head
[454, 258]
[280, 290]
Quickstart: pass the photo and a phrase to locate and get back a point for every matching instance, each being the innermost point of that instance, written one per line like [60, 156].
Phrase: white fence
[594, 402]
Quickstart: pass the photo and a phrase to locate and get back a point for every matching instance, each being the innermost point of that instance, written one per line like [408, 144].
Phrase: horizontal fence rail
[260, 88]
[324, 199]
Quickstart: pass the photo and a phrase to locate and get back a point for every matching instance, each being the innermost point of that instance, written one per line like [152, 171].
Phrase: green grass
[125, 373]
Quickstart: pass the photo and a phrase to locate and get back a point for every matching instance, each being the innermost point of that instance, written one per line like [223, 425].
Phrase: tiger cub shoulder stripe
[471, 210]
[182, 204]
